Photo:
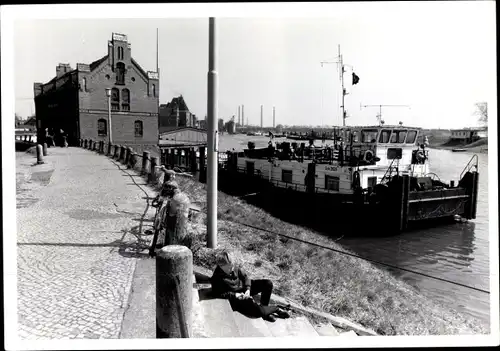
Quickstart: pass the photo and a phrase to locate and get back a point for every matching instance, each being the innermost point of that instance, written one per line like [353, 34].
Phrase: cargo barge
[375, 174]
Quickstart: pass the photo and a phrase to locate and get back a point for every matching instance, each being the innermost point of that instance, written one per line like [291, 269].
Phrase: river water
[457, 252]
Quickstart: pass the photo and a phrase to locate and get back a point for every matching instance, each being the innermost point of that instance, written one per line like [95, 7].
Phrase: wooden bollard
[203, 171]
[109, 149]
[174, 288]
[44, 149]
[39, 154]
[127, 155]
[85, 143]
[145, 162]
[122, 153]
[117, 151]
[152, 171]
[177, 213]
[132, 159]
[193, 165]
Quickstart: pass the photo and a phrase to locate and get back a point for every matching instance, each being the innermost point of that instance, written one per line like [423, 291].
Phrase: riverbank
[319, 278]
[477, 146]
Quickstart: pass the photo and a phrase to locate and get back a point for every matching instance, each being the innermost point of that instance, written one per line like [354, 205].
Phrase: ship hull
[354, 214]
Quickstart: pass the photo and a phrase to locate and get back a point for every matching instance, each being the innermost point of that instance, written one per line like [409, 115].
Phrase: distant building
[468, 135]
[75, 99]
[221, 125]
[203, 124]
[176, 114]
[28, 125]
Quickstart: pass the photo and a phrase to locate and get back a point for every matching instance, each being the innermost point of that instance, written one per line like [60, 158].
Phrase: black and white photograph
[250, 175]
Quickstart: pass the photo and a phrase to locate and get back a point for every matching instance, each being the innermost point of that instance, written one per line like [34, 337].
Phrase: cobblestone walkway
[77, 244]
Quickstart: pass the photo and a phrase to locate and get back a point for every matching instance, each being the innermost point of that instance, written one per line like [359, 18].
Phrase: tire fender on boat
[368, 156]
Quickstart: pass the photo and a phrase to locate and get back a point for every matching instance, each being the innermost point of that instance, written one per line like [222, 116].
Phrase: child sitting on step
[233, 283]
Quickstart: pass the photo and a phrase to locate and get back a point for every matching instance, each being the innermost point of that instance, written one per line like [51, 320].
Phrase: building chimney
[239, 115]
[261, 116]
[243, 115]
[274, 117]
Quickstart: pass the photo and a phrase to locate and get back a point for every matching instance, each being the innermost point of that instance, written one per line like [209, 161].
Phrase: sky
[437, 58]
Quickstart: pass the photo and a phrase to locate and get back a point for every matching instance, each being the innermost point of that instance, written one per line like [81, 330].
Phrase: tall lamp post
[108, 94]
[212, 157]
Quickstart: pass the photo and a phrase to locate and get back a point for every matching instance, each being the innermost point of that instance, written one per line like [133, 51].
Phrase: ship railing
[388, 172]
[284, 184]
[473, 162]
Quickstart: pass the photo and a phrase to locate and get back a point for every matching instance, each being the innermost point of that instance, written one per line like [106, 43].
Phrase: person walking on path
[233, 283]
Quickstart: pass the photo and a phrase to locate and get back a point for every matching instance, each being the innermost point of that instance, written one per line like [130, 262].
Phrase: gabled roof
[178, 102]
[95, 64]
[134, 62]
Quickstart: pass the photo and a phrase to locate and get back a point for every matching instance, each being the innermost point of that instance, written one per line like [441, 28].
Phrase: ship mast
[340, 62]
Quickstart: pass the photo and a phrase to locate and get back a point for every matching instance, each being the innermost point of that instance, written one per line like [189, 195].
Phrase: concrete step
[251, 327]
[218, 318]
[326, 329]
[197, 318]
[299, 326]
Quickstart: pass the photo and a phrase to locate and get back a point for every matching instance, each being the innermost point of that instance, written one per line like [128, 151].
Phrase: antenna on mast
[340, 63]
[379, 115]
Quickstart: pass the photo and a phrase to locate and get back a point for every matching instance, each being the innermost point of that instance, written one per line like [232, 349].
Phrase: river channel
[457, 252]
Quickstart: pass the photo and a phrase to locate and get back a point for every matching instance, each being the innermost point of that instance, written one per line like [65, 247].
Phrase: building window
[286, 176]
[115, 99]
[120, 73]
[125, 100]
[102, 127]
[84, 84]
[154, 90]
[332, 183]
[138, 128]
[120, 53]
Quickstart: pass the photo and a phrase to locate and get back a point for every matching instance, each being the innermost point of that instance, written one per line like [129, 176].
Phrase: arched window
[154, 90]
[138, 129]
[120, 53]
[115, 99]
[102, 127]
[120, 73]
[84, 84]
[125, 100]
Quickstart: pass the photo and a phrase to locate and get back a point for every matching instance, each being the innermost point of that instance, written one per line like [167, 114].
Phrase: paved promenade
[78, 217]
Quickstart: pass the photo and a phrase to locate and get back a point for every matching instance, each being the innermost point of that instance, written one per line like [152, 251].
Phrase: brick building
[75, 99]
[176, 114]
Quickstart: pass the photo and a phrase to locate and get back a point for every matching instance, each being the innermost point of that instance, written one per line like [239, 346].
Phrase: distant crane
[379, 116]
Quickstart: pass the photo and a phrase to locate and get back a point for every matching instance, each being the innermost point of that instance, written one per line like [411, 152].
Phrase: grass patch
[319, 278]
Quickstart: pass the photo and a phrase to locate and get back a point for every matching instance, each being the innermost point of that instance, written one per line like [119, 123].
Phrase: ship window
[250, 167]
[393, 153]
[286, 176]
[384, 136]
[398, 136]
[369, 136]
[355, 136]
[410, 138]
[332, 183]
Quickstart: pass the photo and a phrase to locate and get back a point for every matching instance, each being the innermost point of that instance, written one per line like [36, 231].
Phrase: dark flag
[355, 78]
